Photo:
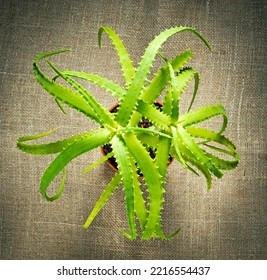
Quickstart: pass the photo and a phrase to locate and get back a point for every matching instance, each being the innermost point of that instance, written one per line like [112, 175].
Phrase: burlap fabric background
[229, 222]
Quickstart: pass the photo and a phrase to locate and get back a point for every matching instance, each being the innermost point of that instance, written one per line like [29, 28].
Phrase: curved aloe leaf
[153, 181]
[222, 163]
[45, 149]
[196, 77]
[125, 170]
[80, 146]
[189, 157]
[60, 189]
[61, 93]
[191, 145]
[139, 202]
[108, 85]
[127, 67]
[36, 136]
[111, 187]
[204, 114]
[161, 79]
[60, 106]
[201, 167]
[212, 136]
[94, 165]
[105, 117]
[175, 141]
[144, 130]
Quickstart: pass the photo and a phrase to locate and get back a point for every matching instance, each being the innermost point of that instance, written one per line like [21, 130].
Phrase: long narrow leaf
[190, 158]
[161, 79]
[126, 172]
[125, 60]
[61, 93]
[153, 180]
[94, 165]
[162, 160]
[139, 202]
[175, 144]
[108, 85]
[82, 145]
[49, 148]
[191, 145]
[144, 130]
[111, 187]
[175, 95]
[105, 117]
[210, 135]
[204, 114]
[196, 77]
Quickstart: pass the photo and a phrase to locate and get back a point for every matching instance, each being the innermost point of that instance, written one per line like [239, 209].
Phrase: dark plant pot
[107, 147]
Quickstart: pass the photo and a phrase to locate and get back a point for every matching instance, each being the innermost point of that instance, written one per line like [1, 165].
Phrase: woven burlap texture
[228, 222]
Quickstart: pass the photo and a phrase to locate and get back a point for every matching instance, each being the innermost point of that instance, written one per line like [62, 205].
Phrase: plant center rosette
[143, 123]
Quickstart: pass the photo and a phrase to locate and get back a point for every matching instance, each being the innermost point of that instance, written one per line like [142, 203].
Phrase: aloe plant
[172, 133]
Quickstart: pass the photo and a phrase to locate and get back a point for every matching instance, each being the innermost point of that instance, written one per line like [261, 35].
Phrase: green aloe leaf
[150, 111]
[196, 77]
[178, 84]
[139, 201]
[45, 149]
[202, 168]
[153, 181]
[190, 158]
[94, 165]
[175, 143]
[162, 77]
[159, 82]
[201, 156]
[80, 146]
[59, 92]
[60, 106]
[105, 117]
[148, 139]
[175, 95]
[36, 136]
[204, 114]
[108, 85]
[162, 160]
[222, 163]
[127, 67]
[211, 136]
[167, 103]
[111, 187]
[144, 130]
[125, 170]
